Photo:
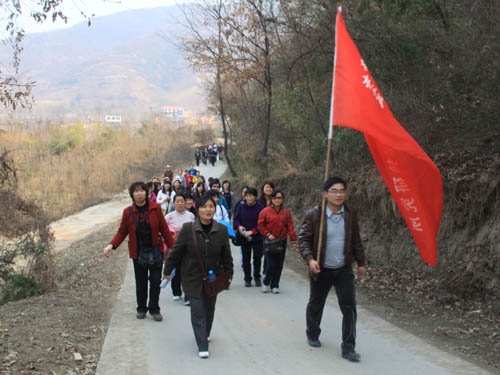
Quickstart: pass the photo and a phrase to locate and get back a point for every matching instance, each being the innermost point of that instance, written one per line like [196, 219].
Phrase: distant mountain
[124, 63]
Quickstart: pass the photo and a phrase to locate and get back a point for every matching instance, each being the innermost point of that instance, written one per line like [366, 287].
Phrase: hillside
[124, 63]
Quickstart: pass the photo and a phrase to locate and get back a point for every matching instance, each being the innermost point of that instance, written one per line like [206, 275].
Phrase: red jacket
[127, 227]
[271, 221]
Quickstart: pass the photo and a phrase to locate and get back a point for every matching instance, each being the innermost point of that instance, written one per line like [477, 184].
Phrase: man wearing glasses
[341, 246]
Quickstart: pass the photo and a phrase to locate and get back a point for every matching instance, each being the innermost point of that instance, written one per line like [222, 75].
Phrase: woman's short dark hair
[215, 181]
[251, 191]
[276, 192]
[332, 181]
[180, 195]
[189, 196]
[139, 185]
[226, 182]
[212, 193]
[244, 187]
[204, 200]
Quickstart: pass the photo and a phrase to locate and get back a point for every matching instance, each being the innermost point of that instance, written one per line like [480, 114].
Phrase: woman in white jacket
[220, 210]
[164, 196]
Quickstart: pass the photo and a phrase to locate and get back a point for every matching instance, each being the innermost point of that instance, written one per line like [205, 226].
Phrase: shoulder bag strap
[197, 250]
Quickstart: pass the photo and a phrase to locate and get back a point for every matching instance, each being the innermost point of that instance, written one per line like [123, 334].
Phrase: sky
[73, 9]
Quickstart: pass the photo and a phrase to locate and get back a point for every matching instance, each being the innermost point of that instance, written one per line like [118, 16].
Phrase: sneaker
[176, 298]
[275, 291]
[265, 288]
[204, 354]
[258, 282]
[187, 303]
[248, 284]
[140, 315]
[157, 316]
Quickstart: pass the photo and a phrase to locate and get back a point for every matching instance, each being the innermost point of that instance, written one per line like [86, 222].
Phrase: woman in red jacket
[150, 224]
[275, 222]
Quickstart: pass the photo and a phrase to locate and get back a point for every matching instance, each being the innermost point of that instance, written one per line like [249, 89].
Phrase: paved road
[76, 227]
[256, 333]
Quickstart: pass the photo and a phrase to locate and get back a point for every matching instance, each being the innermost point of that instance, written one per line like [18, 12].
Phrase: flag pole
[328, 157]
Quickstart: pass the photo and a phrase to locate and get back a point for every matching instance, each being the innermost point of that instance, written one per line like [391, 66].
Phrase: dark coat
[216, 254]
[309, 237]
[127, 227]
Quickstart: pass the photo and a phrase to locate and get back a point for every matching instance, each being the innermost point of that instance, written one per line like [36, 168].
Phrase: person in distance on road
[190, 204]
[341, 247]
[150, 223]
[220, 211]
[215, 185]
[176, 188]
[228, 195]
[163, 197]
[213, 243]
[180, 176]
[168, 173]
[199, 192]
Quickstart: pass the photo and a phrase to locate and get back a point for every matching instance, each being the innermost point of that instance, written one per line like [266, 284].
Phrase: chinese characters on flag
[411, 176]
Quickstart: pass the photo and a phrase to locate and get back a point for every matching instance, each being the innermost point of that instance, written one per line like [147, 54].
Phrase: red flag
[412, 178]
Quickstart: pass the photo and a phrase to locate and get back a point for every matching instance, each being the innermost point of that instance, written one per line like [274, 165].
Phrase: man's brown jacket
[309, 237]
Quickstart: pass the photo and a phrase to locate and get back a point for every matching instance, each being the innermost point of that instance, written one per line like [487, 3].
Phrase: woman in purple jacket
[245, 222]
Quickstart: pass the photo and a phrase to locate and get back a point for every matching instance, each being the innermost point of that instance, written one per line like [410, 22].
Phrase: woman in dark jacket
[213, 243]
[151, 224]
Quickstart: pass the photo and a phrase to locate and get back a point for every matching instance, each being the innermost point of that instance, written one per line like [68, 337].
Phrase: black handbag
[149, 257]
[221, 281]
[276, 246]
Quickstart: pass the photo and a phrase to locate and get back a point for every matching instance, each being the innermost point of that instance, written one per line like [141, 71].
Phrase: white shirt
[161, 199]
[221, 213]
[176, 220]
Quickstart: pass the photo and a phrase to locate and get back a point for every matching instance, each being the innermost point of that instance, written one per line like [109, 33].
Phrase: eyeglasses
[336, 192]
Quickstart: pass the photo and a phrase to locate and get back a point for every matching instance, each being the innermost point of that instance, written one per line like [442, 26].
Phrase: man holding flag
[334, 267]
[329, 239]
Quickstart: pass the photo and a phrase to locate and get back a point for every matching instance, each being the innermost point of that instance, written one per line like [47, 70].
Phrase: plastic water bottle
[164, 282]
[211, 275]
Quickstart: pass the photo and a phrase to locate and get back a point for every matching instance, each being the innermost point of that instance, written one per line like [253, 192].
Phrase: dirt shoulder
[42, 335]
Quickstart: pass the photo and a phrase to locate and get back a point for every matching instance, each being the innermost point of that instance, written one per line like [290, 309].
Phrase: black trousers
[274, 267]
[176, 282]
[342, 279]
[202, 317]
[142, 275]
[246, 249]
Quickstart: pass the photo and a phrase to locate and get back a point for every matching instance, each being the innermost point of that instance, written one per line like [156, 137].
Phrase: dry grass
[64, 168]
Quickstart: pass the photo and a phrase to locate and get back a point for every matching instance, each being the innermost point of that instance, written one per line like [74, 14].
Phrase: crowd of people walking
[180, 230]
[208, 154]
